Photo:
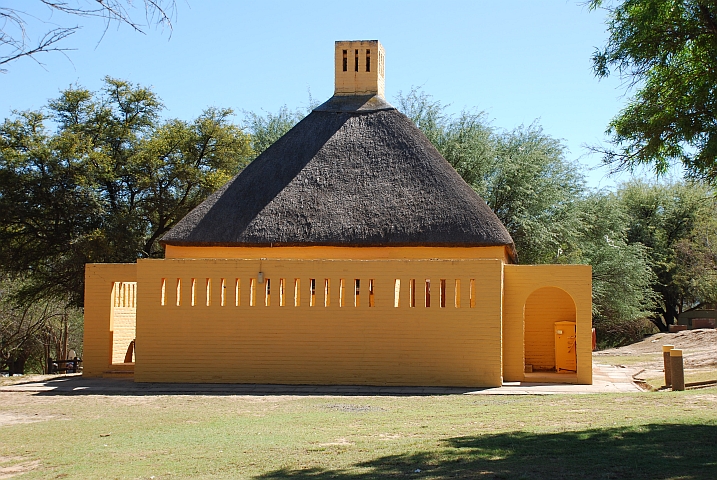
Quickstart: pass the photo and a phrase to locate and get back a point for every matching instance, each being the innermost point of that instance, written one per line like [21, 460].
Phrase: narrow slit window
[267, 293]
[412, 293]
[396, 293]
[346, 60]
[472, 293]
[297, 292]
[428, 292]
[164, 291]
[368, 60]
[457, 292]
[223, 293]
[341, 293]
[282, 297]
[443, 293]
[357, 296]
[312, 292]
[370, 293]
[252, 292]
[194, 291]
[209, 291]
[327, 292]
[179, 291]
[356, 55]
[237, 293]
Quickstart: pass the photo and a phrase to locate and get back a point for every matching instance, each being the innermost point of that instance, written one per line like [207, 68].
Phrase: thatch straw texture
[349, 174]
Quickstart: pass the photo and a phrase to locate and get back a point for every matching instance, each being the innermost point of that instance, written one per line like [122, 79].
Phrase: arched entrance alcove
[543, 308]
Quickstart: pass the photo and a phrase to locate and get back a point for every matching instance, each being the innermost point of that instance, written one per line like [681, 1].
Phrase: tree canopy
[666, 50]
[106, 184]
[522, 173]
[541, 199]
[677, 223]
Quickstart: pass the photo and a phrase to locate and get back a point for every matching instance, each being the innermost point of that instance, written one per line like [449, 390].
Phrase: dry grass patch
[696, 375]
[352, 437]
[13, 466]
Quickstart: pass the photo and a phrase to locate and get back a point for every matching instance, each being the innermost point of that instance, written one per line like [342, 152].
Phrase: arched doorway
[543, 308]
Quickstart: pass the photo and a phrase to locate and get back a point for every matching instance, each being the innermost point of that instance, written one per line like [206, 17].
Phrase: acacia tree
[696, 260]
[270, 127]
[106, 185]
[17, 24]
[622, 277]
[676, 224]
[667, 51]
[522, 174]
[540, 198]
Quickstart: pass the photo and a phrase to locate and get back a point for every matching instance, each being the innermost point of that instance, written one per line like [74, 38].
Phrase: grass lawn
[643, 435]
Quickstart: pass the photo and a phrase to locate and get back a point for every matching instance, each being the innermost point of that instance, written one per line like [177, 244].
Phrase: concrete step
[119, 370]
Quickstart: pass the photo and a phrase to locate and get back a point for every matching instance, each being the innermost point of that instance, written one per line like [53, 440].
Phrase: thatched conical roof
[354, 172]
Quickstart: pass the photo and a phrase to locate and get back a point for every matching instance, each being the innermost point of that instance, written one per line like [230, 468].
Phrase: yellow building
[349, 252]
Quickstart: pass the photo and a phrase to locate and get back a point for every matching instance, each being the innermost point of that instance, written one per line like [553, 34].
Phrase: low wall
[192, 326]
[413, 322]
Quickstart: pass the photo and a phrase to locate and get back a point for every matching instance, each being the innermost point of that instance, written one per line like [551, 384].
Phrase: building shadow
[71, 385]
[655, 451]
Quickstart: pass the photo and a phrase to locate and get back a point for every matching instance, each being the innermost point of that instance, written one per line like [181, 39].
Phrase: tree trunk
[17, 366]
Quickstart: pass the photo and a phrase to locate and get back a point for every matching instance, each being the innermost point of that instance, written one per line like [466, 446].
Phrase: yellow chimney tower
[359, 66]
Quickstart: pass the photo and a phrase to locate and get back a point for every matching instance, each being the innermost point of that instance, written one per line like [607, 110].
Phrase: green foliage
[533, 189]
[667, 49]
[676, 222]
[622, 275]
[540, 198]
[696, 261]
[106, 184]
[522, 174]
[267, 129]
[613, 333]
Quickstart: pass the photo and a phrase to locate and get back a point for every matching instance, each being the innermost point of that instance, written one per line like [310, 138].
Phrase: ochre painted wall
[124, 314]
[340, 253]
[520, 281]
[543, 308]
[380, 344]
[99, 328]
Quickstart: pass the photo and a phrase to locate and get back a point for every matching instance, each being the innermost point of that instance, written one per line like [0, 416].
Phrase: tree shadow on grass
[656, 451]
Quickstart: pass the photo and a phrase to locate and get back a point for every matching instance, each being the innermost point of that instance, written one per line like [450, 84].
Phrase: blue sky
[519, 61]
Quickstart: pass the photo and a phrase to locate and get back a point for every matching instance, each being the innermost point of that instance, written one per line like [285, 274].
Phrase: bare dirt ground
[699, 348]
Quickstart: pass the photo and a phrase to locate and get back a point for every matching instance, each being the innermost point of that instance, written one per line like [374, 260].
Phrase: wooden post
[666, 360]
[678, 373]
